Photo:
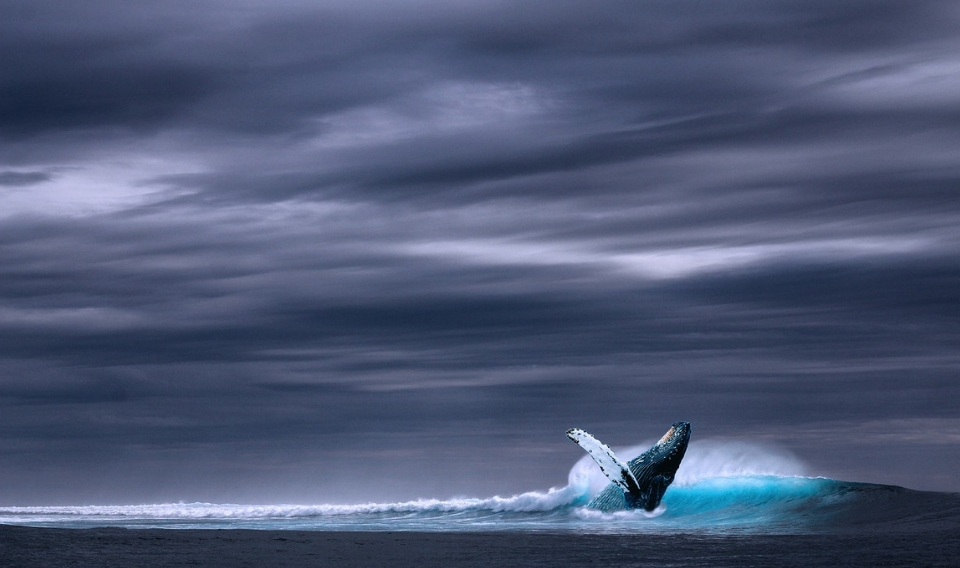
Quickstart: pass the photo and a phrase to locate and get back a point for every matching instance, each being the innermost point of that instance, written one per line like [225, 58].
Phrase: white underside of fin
[611, 466]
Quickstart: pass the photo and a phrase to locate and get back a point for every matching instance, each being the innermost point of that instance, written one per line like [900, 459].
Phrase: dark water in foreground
[23, 547]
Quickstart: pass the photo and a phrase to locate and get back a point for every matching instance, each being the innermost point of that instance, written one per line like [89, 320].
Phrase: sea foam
[720, 485]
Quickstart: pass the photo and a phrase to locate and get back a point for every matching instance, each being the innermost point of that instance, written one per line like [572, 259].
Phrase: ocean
[721, 487]
[731, 504]
[740, 505]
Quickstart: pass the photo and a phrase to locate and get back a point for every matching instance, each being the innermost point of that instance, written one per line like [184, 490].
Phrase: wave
[721, 486]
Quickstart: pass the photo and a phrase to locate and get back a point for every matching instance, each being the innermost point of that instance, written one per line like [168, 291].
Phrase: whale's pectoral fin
[611, 466]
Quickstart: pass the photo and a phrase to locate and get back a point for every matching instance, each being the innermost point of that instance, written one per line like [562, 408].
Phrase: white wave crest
[713, 458]
[532, 501]
[704, 460]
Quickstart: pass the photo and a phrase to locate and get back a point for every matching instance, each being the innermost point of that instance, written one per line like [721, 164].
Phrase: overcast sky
[365, 250]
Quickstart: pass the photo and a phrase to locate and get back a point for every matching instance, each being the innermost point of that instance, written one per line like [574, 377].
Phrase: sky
[362, 250]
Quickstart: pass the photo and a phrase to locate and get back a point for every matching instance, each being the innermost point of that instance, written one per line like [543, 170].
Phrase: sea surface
[721, 488]
[742, 504]
[732, 505]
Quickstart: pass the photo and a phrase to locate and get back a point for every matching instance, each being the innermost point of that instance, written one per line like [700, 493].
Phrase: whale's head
[656, 467]
[670, 449]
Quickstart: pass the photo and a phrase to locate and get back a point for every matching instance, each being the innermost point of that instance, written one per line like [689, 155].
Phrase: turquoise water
[764, 504]
[720, 488]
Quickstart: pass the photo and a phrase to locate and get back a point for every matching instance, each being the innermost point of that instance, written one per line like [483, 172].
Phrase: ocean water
[721, 488]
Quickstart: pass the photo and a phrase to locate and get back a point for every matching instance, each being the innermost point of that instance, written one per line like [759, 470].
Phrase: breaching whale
[641, 482]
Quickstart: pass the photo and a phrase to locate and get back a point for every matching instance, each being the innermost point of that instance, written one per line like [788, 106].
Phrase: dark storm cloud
[279, 68]
[18, 179]
[241, 241]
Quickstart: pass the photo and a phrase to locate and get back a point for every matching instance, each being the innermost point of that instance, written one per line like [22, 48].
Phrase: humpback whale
[641, 482]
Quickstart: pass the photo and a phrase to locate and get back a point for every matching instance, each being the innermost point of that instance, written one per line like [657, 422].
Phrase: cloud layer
[244, 248]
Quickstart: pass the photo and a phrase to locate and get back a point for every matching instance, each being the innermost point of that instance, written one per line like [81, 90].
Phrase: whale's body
[641, 482]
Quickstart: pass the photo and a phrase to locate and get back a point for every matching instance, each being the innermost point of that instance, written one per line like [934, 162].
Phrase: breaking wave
[720, 486]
